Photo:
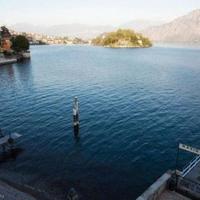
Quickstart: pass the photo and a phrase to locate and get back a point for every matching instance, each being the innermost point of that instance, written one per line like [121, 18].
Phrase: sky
[91, 12]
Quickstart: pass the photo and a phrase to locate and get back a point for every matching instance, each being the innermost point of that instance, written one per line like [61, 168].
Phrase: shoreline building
[5, 40]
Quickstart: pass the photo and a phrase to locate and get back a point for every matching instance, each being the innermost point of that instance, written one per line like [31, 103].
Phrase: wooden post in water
[76, 116]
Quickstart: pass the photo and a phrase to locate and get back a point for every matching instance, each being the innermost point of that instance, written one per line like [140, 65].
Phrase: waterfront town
[14, 46]
[41, 39]
[36, 38]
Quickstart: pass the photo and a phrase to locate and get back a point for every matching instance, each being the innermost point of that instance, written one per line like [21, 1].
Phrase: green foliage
[41, 42]
[122, 38]
[20, 43]
[146, 41]
[77, 40]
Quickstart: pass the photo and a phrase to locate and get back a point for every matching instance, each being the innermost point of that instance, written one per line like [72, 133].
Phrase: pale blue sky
[94, 12]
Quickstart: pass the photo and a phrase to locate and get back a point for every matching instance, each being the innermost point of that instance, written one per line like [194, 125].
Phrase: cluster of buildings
[12, 49]
[40, 39]
[34, 39]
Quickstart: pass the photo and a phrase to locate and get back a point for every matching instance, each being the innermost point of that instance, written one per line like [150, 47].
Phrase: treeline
[10, 43]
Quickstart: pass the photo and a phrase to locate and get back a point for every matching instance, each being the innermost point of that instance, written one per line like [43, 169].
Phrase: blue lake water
[135, 106]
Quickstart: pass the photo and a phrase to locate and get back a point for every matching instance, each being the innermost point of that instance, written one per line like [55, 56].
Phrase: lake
[136, 105]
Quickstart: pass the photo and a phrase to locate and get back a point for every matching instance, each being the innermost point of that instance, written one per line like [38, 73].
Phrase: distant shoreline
[125, 47]
[164, 45]
[177, 45]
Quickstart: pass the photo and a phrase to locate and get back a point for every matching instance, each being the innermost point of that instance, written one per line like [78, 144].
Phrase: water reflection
[17, 75]
[24, 73]
[6, 72]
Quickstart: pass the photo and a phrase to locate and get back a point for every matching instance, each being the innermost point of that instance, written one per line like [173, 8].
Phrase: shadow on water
[77, 139]
[10, 155]
[76, 133]
[19, 73]
[8, 71]
[24, 72]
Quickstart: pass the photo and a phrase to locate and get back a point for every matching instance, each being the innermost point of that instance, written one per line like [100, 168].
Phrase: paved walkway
[9, 193]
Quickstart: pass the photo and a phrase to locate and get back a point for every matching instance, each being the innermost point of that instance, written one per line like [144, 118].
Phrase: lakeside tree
[20, 43]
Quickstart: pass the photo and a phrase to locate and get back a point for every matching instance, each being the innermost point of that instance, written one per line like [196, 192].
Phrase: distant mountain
[185, 29]
[80, 30]
[70, 30]
[141, 24]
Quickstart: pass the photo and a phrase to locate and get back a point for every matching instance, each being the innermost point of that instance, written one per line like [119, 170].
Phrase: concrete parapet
[157, 188]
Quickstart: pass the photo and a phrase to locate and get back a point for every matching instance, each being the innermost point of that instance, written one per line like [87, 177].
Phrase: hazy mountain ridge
[141, 24]
[70, 30]
[80, 30]
[185, 29]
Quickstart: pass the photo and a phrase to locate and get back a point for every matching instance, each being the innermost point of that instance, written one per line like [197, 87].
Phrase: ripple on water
[135, 106]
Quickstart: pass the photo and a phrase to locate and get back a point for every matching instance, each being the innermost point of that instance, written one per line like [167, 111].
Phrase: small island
[122, 38]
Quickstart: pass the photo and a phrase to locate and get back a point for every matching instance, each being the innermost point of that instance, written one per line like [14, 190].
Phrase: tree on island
[20, 43]
[122, 38]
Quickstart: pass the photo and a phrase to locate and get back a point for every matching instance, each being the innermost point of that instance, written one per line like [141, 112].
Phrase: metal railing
[190, 166]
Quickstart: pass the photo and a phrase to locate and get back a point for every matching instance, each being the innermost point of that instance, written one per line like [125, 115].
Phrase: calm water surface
[135, 106]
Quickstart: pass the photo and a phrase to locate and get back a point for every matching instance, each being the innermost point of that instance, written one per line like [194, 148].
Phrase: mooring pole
[76, 116]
